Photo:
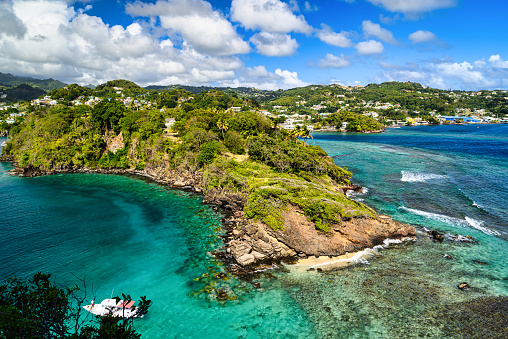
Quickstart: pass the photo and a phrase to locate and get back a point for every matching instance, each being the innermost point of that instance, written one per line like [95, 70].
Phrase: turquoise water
[136, 237]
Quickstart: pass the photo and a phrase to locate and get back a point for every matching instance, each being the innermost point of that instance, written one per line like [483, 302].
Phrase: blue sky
[268, 44]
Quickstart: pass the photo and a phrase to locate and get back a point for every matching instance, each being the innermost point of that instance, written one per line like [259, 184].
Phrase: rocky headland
[250, 242]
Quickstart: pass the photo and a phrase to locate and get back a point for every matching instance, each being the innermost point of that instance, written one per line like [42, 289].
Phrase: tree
[38, 308]
[222, 126]
[108, 114]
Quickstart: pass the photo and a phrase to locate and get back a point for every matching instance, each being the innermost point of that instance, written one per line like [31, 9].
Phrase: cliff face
[251, 242]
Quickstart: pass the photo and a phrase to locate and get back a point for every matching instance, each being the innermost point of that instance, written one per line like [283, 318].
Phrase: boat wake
[421, 177]
[466, 222]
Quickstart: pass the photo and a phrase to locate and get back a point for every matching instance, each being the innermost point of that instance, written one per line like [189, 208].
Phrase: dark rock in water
[447, 256]
[464, 286]
[437, 236]
[256, 284]
[222, 294]
[320, 269]
[480, 262]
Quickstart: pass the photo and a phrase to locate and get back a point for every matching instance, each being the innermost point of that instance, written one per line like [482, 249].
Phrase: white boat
[4, 144]
[121, 309]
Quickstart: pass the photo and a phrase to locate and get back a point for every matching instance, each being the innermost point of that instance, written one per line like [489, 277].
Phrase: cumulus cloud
[332, 61]
[370, 47]
[414, 7]
[445, 74]
[260, 77]
[328, 36]
[274, 44]
[290, 79]
[203, 28]
[422, 36]
[372, 29]
[272, 16]
[62, 42]
[497, 62]
[464, 72]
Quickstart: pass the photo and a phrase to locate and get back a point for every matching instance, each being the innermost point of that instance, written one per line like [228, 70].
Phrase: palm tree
[223, 126]
[305, 133]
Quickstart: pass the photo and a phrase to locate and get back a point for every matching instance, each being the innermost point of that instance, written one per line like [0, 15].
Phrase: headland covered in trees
[286, 198]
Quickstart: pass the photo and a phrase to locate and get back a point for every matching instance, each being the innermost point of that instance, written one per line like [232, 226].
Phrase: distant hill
[22, 92]
[9, 80]
[199, 89]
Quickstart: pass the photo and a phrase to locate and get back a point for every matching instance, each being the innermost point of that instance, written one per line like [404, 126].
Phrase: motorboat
[121, 309]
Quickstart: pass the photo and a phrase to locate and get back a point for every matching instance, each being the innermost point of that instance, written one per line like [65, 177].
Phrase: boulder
[246, 259]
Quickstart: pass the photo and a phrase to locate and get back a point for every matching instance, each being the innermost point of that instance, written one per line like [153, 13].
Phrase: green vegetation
[39, 308]
[355, 122]
[9, 80]
[239, 151]
[22, 92]
[223, 136]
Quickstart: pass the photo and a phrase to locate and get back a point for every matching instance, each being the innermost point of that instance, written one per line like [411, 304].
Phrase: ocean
[120, 234]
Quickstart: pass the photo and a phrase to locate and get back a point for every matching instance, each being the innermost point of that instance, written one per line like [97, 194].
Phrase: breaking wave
[466, 222]
[420, 177]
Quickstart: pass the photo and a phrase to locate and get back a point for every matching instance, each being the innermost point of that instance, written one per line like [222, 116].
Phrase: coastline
[249, 244]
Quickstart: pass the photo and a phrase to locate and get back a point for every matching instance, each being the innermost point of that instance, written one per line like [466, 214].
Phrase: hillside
[9, 80]
[287, 197]
[21, 92]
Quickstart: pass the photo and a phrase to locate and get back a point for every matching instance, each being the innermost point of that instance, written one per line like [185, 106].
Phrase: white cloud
[259, 77]
[294, 5]
[268, 15]
[290, 79]
[10, 24]
[310, 7]
[464, 72]
[497, 62]
[67, 44]
[370, 47]
[445, 74]
[372, 29]
[274, 44]
[203, 28]
[422, 36]
[328, 36]
[413, 7]
[332, 61]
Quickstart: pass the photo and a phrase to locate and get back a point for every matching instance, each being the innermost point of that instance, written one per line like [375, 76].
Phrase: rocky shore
[250, 242]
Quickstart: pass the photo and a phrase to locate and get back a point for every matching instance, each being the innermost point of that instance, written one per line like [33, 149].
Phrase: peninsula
[286, 199]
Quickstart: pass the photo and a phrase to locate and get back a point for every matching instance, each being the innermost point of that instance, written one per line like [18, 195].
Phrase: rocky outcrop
[114, 142]
[253, 242]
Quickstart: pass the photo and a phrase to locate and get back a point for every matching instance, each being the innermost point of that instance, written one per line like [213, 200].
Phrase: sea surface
[119, 234]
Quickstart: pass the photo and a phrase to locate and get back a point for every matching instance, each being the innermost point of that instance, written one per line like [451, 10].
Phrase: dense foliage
[355, 122]
[207, 137]
[39, 308]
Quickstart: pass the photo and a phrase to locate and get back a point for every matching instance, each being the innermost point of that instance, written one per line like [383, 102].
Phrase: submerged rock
[464, 286]
[447, 256]
[437, 236]
[480, 262]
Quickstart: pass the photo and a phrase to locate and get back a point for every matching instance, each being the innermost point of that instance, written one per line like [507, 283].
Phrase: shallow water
[132, 236]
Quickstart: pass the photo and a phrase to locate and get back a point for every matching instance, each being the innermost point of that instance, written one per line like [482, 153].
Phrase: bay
[136, 237]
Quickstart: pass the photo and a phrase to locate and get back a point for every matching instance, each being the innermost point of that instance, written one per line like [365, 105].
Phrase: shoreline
[249, 245]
